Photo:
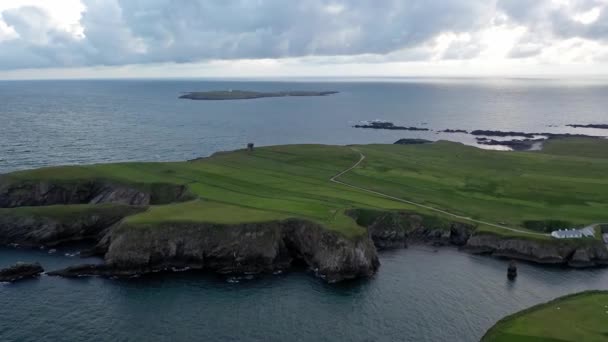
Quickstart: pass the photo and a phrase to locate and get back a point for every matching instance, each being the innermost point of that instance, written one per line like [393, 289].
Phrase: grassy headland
[579, 317]
[278, 182]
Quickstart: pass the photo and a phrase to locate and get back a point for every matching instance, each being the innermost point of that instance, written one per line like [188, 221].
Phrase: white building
[567, 234]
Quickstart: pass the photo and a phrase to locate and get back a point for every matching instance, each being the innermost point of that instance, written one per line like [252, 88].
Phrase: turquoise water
[418, 294]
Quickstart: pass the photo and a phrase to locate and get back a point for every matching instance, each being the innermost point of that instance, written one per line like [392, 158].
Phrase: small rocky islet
[376, 124]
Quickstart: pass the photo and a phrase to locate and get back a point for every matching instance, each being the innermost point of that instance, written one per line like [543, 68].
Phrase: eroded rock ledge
[35, 230]
[398, 229]
[20, 271]
[234, 249]
[42, 193]
[578, 254]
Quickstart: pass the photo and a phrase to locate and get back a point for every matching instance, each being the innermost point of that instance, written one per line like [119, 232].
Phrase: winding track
[334, 179]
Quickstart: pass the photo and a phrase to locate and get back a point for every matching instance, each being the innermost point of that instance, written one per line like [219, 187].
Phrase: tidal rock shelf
[20, 271]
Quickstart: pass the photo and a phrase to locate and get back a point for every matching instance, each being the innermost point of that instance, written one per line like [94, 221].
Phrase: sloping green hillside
[273, 183]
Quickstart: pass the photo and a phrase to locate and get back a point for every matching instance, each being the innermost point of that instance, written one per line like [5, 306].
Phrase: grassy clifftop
[278, 182]
[579, 317]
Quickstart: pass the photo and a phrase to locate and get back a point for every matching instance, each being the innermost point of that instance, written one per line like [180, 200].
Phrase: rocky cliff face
[573, 253]
[395, 229]
[40, 193]
[244, 248]
[40, 230]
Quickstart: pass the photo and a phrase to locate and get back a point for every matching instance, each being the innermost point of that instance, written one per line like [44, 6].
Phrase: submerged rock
[20, 271]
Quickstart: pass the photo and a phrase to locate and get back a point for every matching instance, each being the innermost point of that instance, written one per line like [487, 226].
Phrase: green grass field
[574, 318]
[273, 183]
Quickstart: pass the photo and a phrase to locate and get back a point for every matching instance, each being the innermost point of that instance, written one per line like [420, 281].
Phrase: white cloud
[589, 16]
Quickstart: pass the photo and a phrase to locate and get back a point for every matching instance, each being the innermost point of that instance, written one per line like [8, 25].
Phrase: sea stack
[512, 270]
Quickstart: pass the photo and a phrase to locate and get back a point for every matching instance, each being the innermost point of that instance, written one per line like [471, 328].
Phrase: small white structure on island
[572, 233]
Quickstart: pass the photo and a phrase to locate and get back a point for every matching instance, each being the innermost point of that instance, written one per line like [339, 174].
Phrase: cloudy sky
[253, 38]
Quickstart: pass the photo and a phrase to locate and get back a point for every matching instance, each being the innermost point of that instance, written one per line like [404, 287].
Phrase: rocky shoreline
[597, 126]
[248, 248]
[391, 230]
[267, 247]
[483, 137]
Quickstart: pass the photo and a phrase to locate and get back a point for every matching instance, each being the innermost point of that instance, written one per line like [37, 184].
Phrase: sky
[309, 38]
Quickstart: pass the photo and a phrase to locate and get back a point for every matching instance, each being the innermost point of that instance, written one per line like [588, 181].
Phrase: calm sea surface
[418, 294]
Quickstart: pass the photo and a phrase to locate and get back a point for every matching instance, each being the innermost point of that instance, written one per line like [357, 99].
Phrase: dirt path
[334, 179]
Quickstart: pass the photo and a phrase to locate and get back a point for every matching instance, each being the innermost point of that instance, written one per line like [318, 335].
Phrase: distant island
[379, 124]
[248, 95]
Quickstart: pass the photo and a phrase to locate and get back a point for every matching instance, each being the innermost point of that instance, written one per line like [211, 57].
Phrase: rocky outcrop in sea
[20, 271]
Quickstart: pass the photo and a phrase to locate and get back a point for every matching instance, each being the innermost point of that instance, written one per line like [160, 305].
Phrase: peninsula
[577, 317]
[328, 207]
[247, 95]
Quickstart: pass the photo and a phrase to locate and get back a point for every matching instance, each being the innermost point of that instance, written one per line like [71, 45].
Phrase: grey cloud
[120, 32]
[151, 31]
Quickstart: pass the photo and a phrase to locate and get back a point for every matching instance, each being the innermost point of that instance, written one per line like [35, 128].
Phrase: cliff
[234, 249]
[393, 229]
[51, 226]
[574, 253]
[18, 193]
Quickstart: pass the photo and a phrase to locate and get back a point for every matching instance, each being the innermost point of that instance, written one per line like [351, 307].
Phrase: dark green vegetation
[578, 317]
[246, 95]
[547, 226]
[278, 182]
[578, 147]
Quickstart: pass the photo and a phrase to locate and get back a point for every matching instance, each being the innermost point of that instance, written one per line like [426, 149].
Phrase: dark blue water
[67, 122]
[418, 295]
